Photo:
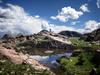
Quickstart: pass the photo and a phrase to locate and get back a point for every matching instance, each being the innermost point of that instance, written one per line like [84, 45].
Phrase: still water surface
[49, 59]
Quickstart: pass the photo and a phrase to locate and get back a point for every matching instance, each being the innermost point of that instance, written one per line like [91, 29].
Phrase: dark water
[43, 52]
[49, 59]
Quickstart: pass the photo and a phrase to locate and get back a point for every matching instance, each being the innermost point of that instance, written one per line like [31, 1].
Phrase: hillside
[21, 48]
[70, 33]
[93, 36]
[44, 39]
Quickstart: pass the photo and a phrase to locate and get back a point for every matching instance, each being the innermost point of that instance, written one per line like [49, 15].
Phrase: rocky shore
[20, 58]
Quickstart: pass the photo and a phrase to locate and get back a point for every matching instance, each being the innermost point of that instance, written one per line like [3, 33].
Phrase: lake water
[50, 59]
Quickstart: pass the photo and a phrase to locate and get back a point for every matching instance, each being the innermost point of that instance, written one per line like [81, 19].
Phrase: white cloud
[58, 28]
[75, 22]
[14, 20]
[37, 16]
[91, 25]
[67, 13]
[84, 8]
[52, 17]
[82, 30]
[98, 3]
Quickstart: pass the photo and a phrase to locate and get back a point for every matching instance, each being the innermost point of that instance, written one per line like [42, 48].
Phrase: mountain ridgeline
[50, 40]
[93, 36]
[70, 33]
[85, 50]
[44, 39]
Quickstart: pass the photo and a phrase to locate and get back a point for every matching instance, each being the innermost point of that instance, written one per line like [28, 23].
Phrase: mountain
[44, 39]
[70, 33]
[93, 36]
[7, 36]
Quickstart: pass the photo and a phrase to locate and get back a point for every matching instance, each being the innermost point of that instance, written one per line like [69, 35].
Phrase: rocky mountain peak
[7, 36]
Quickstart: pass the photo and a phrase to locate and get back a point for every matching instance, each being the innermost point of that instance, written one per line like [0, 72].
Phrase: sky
[31, 16]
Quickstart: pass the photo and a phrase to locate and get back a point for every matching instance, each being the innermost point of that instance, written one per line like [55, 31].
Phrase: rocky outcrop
[93, 36]
[43, 39]
[19, 58]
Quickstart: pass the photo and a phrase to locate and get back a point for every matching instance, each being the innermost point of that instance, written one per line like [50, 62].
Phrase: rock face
[19, 58]
[52, 40]
[43, 39]
[93, 36]
[70, 34]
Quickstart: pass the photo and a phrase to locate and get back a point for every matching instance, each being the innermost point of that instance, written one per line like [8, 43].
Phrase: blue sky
[46, 9]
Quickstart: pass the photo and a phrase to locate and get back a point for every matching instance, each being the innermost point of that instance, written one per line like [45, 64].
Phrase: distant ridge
[93, 36]
[70, 33]
[7, 36]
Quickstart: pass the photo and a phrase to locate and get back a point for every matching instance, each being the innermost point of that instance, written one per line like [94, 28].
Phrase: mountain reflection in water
[50, 60]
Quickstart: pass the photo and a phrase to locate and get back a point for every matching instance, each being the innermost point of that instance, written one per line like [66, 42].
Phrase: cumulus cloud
[91, 25]
[67, 13]
[14, 20]
[98, 3]
[84, 8]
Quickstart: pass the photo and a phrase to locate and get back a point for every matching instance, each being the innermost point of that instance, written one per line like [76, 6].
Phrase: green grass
[83, 44]
[79, 43]
[8, 68]
[78, 65]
